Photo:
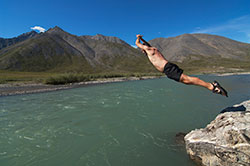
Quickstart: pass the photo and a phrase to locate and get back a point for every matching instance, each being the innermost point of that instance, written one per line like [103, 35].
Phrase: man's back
[156, 58]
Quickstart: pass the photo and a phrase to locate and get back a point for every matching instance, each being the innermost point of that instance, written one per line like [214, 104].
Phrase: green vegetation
[14, 76]
[75, 77]
[205, 65]
[195, 65]
[190, 66]
[62, 78]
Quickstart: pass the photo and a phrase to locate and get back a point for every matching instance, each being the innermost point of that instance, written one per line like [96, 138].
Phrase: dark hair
[146, 44]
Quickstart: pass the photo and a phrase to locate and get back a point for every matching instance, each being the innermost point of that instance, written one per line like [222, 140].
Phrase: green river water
[118, 124]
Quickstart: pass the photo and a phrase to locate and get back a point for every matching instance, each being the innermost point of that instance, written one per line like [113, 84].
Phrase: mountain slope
[59, 51]
[8, 42]
[196, 46]
[105, 38]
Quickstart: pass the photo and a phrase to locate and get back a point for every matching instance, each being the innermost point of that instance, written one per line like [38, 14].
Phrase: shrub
[73, 77]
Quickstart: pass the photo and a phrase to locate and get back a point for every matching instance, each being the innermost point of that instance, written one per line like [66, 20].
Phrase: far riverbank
[29, 88]
[230, 74]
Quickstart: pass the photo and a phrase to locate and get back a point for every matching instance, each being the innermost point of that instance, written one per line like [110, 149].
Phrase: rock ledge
[224, 142]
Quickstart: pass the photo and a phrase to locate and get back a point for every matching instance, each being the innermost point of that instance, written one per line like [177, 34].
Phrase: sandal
[218, 89]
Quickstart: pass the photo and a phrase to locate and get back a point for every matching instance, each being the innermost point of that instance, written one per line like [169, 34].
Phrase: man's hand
[139, 36]
[137, 42]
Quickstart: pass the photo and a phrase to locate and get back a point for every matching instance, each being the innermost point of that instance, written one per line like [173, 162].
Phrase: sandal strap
[215, 85]
[220, 90]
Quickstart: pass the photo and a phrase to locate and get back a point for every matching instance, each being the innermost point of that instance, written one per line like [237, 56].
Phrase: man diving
[172, 71]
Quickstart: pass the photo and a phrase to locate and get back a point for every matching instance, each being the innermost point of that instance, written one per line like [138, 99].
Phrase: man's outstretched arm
[138, 43]
[145, 42]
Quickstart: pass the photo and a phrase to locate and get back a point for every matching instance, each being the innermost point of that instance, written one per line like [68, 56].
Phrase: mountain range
[58, 51]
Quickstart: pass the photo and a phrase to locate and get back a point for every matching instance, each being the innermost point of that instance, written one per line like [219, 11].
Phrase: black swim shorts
[173, 71]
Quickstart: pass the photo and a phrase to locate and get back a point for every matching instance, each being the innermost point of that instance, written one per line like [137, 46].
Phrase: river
[122, 124]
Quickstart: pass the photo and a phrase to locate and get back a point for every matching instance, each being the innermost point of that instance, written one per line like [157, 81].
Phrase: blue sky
[126, 18]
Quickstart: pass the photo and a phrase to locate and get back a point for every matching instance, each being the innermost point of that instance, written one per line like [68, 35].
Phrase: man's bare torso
[156, 58]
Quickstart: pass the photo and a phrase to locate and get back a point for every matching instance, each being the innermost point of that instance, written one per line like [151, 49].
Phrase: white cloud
[238, 28]
[40, 29]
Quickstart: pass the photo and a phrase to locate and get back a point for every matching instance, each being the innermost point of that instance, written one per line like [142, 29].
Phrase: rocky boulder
[225, 141]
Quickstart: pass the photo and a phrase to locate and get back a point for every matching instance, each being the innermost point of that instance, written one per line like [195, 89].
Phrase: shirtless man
[173, 71]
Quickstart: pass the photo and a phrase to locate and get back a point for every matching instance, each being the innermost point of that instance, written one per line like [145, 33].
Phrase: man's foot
[218, 89]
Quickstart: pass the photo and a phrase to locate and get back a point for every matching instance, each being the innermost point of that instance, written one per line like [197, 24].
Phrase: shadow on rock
[234, 109]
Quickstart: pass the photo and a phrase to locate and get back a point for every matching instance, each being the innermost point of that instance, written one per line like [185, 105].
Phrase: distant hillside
[8, 42]
[58, 51]
[189, 45]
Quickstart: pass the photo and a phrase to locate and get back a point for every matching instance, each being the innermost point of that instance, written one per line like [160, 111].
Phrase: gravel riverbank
[26, 88]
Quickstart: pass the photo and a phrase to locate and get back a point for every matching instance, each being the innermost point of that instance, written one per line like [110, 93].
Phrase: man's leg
[195, 81]
[215, 86]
